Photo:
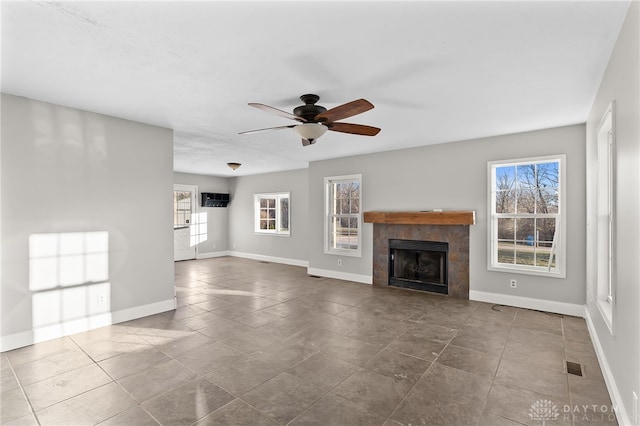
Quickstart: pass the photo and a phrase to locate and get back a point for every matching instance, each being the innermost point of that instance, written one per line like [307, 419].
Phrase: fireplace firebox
[419, 265]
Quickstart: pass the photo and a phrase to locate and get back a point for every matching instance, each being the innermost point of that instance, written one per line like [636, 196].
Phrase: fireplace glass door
[420, 265]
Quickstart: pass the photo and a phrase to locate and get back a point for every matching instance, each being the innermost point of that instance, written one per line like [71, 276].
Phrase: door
[184, 205]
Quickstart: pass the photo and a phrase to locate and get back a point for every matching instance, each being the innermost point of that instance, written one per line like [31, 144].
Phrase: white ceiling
[435, 71]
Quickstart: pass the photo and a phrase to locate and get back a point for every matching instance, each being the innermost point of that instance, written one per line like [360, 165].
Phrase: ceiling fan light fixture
[234, 166]
[310, 131]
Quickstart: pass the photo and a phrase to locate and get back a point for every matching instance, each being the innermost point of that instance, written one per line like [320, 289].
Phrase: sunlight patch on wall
[69, 278]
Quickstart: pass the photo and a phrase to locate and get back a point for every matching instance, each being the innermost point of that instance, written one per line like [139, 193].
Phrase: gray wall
[217, 217]
[622, 84]
[243, 239]
[66, 170]
[453, 176]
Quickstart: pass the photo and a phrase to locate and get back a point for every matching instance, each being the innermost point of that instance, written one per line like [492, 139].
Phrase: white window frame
[559, 244]
[605, 217]
[279, 230]
[330, 215]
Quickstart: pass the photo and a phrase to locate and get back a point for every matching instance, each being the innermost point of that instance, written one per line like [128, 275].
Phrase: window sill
[606, 311]
[542, 272]
[349, 253]
[273, 234]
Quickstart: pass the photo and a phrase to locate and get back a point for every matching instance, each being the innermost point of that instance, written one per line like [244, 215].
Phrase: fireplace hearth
[419, 265]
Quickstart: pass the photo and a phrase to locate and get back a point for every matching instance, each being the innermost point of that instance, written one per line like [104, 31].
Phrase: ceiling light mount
[234, 166]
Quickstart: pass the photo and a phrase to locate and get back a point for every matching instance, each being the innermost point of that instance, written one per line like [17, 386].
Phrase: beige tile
[205, 359]
[257, 319]
[324, 371]
[284, 397]
[414, 345]
[133, 416]
[242, 375]
[457, 385]
[536, 338]
[333, 410]
[545, 356]
[90, 407]
[377, 393]
[50, 366]
[205, 319]
[379, 333]
[517, 404]
[472, 361]
[123, 365]
[429, 408]
[188, 403]
[28, 420]
[283, 357]
[251, 341]
[538, 321]
[236, 413]
[102, 349]
[489, 419]
[398, 366]
[585, 391]
[8, 379]
[351, 350]
[66, 385]
[176, 347]
[157, 380]
[41, 350]
[531, 377]
[14, 405]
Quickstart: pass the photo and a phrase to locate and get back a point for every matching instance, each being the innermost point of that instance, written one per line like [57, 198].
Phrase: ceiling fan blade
[354, 129]
[276, 111]
[344, 111]
[268, 128]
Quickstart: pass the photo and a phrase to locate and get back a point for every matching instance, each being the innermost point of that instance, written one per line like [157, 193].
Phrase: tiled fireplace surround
[458, 257]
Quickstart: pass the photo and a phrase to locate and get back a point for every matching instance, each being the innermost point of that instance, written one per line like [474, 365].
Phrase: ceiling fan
[314, 120]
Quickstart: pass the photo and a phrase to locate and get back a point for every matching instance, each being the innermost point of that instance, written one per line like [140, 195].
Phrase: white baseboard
[41, 334]
[272, 259]
[528, 303]
[616, 399]
[212, 254]
[143, 311]
[328, 273]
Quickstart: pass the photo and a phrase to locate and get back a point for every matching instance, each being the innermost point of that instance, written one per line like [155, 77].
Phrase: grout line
[24, 394]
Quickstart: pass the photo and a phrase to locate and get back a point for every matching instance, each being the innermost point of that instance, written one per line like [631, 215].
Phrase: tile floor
[256, 343]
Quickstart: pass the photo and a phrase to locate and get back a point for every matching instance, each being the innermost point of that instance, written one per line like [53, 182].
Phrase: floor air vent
[574, 368]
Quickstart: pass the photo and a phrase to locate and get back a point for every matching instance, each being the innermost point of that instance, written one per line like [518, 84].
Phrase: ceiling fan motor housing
[309, 110]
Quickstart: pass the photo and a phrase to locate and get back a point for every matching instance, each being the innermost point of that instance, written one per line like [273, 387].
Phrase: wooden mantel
[422, 218]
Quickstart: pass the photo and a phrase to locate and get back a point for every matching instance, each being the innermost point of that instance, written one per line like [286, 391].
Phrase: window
[342, 215]
[526, 230]
[605, 221]
[181, 209]
[272, 214]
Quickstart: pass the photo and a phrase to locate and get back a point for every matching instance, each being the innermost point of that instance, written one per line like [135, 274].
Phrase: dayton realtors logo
[544, 410]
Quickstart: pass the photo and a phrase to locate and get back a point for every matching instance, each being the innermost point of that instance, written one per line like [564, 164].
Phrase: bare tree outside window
[525, 213]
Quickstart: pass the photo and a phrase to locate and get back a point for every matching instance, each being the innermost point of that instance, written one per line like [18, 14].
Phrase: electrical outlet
[339, 262]
[513, 283]
[100, 299]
